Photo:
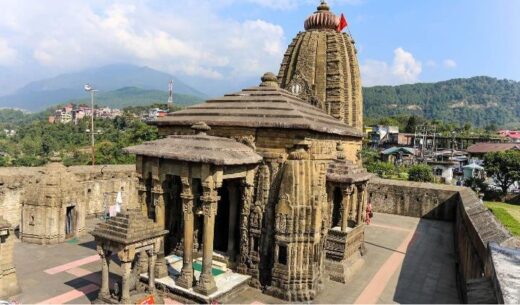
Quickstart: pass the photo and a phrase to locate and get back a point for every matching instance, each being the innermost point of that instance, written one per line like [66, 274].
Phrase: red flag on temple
[342, 23]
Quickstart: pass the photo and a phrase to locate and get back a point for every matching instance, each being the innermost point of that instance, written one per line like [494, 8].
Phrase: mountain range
[482, 101]
[108, 80]
[133, 96]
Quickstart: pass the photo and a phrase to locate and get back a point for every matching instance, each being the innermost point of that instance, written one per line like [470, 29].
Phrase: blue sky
[235, 41]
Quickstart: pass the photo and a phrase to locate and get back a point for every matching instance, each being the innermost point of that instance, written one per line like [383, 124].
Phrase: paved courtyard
[409, 260]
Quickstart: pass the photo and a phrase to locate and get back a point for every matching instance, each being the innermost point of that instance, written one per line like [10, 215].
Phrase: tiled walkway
[409, 260]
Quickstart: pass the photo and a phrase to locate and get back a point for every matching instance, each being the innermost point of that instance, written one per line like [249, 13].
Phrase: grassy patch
[503, 212]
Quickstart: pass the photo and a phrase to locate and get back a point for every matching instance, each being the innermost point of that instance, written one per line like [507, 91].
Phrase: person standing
[369, 213]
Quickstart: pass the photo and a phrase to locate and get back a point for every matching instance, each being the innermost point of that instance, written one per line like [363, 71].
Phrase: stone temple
[321, 67]
[266, 181]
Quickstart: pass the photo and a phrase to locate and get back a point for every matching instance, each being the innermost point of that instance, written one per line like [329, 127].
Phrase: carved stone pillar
[125, 283]
[247, 202]
[151, 270]
[105, 272]
[361, 204]
[206, 283]
[160, 213]
[141, 193]
[186, 278]
[347, 193]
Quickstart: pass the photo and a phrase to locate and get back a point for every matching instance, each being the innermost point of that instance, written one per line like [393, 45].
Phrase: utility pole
[170, 95]
[89, 89]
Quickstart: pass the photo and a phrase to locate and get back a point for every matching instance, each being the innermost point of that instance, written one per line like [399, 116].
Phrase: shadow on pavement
[428, 271]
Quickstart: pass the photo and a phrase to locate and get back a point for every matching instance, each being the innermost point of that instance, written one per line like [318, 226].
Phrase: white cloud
[449, 64]
[404, 69]
[8, 55]
[181, 37]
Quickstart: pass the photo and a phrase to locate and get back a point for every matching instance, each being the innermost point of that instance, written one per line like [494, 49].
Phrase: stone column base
[343, 271]
[186, 279]
[9, 284]
[206, 284]
[160, 269]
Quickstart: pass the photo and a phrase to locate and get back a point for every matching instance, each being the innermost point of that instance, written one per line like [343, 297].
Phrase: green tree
[420, 173]
[504, 167]
[382, 169]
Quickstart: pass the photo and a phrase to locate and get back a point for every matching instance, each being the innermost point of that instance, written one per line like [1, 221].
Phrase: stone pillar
[347, 193]
[151, 270]
[206, 284]
[361, 204]
[234, 204]
[186, 278]
[104, 292]
[161, 270]
[359, 207]
[125, 283]
[141, 194]
[247, 194]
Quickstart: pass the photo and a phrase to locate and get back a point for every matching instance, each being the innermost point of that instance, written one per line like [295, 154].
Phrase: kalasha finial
[324, 6]
[269, 80]
[201, 128]
[322, 19]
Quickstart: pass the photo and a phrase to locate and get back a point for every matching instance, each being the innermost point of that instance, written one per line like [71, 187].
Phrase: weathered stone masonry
[38, 200]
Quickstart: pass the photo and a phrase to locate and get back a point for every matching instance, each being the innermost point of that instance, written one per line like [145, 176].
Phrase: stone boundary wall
[475, 227]
[95, 181]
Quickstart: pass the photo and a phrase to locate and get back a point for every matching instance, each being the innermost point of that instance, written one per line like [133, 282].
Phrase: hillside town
[72, 113]
[453, 159]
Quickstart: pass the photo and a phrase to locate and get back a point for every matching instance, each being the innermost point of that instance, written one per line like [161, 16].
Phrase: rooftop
[265, 106]
[199, 148]
[481, 148]
[128, 227]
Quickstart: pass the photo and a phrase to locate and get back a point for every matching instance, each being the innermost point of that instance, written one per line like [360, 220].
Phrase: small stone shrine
[8, 280]
[51, 211]
[131, 236]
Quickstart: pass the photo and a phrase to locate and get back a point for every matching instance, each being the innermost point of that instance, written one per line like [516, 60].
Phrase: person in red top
[369, 213]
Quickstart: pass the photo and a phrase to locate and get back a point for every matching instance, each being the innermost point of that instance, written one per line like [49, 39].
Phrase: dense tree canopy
[36, 140]
[504, 167]
[480, 101]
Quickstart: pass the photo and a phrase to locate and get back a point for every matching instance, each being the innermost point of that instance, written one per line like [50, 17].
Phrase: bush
[475, 183]
[382, 169]
[420, 173]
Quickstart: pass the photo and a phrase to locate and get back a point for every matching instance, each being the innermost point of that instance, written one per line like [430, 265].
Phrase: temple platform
[227, 281]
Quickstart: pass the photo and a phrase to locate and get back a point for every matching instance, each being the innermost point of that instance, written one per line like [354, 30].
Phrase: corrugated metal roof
[482, 148]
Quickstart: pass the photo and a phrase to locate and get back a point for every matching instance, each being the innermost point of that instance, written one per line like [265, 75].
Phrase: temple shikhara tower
[265, 182]
[321, 67]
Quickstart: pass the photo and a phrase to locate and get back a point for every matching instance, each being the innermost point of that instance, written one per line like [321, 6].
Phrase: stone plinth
[343, 253]
[8, 280]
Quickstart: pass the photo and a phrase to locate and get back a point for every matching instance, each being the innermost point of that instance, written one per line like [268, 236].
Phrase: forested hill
[482, 101]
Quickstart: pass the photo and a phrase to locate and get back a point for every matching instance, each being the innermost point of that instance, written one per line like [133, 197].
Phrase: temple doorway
[70, 222]
[174, 215]
[227, 222]
[336, 209]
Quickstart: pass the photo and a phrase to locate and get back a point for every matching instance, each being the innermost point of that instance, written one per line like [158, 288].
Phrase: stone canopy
[127, 228]
[345, 171]
[266, 106]
[199, 148]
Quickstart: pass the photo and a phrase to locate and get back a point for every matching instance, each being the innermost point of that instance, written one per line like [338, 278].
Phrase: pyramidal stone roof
[266, 106]
[198, 148]
[345, 171]
[127, 228]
